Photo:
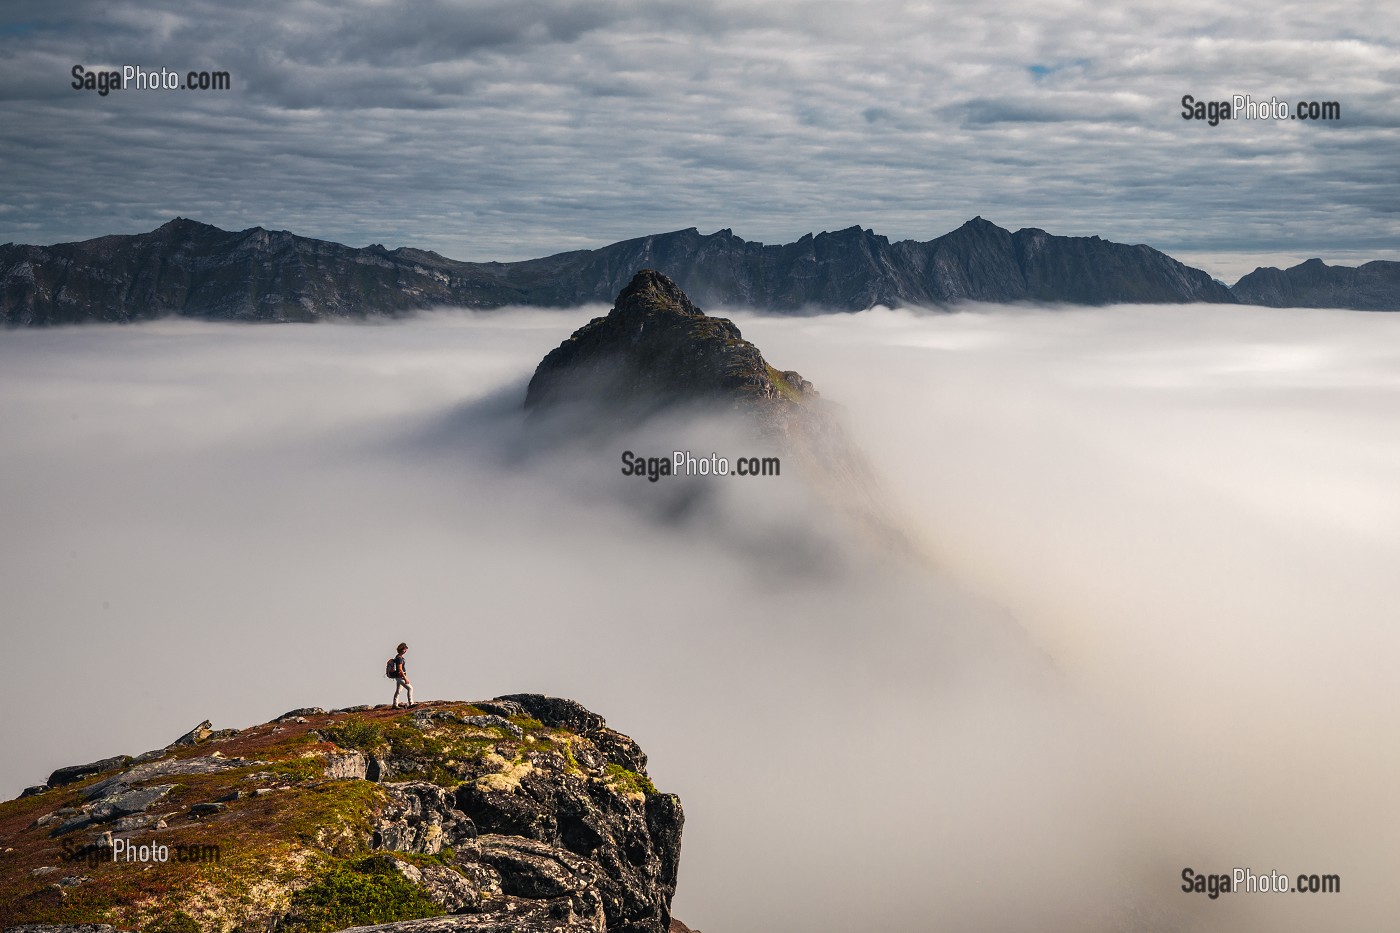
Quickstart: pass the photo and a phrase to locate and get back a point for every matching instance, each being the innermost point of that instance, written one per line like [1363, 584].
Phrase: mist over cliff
[1155, 635]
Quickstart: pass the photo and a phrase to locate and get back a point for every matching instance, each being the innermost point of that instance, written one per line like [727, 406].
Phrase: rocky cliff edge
[523, 813]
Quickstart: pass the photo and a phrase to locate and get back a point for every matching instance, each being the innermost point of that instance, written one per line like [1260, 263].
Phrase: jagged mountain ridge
[191, 269]
[524, 813]
[1374, 286]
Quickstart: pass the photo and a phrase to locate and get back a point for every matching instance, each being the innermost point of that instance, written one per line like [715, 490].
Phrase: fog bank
[1157, 628]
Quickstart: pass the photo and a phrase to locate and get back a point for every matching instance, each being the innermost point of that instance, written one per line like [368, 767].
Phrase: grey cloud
[492, 130]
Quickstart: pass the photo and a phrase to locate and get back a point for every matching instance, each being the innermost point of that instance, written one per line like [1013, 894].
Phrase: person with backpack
[399, 672]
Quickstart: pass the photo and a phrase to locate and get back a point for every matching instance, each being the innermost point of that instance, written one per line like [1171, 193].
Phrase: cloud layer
[1159, 633]
[495, 130]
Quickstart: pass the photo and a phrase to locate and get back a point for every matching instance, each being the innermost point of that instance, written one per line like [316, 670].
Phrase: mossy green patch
[356, 733]
[786, 389]
[629, 782]
[567, 747]
[357, 893]
[297, 770]
[178, 922]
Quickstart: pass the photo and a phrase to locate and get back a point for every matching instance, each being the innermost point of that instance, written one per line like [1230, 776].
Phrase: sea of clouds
[1153, 626]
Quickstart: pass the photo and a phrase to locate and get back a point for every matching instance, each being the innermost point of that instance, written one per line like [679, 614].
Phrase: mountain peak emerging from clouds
[656, 349]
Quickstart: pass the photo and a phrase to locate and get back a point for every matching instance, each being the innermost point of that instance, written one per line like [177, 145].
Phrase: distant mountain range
[192, 269]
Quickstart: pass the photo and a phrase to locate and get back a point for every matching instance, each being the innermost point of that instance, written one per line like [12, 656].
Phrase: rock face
[1374, 286]
[655, 350]
[192, 269]
[854, 269]
[522, 813]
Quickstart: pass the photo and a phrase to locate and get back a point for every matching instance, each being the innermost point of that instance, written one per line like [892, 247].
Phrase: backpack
[391, 670]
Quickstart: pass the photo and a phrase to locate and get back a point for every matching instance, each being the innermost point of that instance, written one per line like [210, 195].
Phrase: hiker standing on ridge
[398, 671]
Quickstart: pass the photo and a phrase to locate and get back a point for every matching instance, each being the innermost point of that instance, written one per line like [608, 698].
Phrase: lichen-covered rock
[619, 748]
[513, 915]
[349, 766]
[536, 871]
[454, 889]
[128, 802]
[421, 818]
[557, 711]
[523, 813]
[554, 778]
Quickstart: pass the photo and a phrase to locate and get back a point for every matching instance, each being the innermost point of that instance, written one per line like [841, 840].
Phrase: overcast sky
[505, 129]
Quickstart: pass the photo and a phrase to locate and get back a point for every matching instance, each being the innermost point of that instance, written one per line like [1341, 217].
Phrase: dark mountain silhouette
[191, 269]
[1374, 286]
[655, 349]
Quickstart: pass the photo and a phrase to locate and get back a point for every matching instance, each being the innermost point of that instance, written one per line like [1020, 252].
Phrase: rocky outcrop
[191, 269]
[655, 349]
[655, 352]
[1374, 286]
[522, 813]
[73, 773]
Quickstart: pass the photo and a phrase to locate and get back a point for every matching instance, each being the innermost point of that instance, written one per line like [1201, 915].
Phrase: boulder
[127, 802]
[556, 711]
[501, 707]
[196, 735]
[491, 721]
[346, 765]
[74, 773]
